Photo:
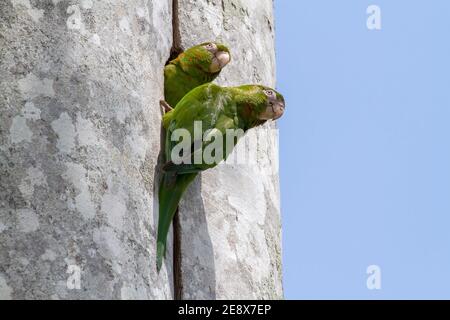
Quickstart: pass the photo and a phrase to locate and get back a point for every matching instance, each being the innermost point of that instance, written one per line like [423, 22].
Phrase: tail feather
[171, 190]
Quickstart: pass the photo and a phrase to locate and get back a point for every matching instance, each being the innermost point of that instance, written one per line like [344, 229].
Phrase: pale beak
[223, 57]
[273, 112]
[220, 60]
[278, 109]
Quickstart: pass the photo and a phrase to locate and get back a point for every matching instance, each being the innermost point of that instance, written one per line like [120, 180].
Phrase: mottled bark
[230, 218]
[80, 137]
[79, 142]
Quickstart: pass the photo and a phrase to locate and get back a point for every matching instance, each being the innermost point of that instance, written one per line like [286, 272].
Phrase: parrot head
[208, 57]
[274, 107]
[261, 102]
[220, 56]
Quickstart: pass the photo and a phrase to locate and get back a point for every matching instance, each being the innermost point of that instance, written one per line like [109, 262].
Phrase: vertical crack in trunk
[176, 36]
[177, 274]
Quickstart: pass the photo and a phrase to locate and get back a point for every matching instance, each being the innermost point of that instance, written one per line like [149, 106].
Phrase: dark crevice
[176, 36]
[177, 273]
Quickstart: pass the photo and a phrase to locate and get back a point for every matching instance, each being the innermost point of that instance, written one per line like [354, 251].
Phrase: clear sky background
[365, 148]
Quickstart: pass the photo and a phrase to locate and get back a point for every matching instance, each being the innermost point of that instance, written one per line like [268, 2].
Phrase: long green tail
[171, 190]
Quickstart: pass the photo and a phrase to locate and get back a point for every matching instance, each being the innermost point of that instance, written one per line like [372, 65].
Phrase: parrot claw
[165, 106]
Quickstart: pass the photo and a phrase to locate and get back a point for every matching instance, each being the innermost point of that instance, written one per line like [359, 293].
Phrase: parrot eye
[210, 46]
[269, 93]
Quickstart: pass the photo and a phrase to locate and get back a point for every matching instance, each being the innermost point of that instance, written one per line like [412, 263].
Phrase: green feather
[188, 71]
[219, 108]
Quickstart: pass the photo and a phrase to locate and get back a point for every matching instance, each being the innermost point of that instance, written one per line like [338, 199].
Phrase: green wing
[210, 104]
[177, 83]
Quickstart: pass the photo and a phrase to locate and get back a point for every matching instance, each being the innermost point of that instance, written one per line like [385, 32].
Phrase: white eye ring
[269, 93]
[209, 46]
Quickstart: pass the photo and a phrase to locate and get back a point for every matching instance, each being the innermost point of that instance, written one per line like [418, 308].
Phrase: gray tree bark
[80, 136]
[230, 229]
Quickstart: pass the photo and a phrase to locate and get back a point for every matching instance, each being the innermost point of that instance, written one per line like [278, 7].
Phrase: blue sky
[364, 148]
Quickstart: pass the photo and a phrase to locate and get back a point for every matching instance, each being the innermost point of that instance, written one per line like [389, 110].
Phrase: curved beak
[220, 60]
[223, 58]
[273, 112]
[278, 109]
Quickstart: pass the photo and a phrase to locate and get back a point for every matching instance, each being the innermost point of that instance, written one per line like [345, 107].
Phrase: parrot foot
[165, 106]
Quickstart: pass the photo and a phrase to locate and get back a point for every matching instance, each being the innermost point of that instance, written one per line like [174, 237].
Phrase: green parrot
[218, 109]
[195, 66]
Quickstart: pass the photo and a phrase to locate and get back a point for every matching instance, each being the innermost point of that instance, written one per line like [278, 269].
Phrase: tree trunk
[80, 137]
[230, 218]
